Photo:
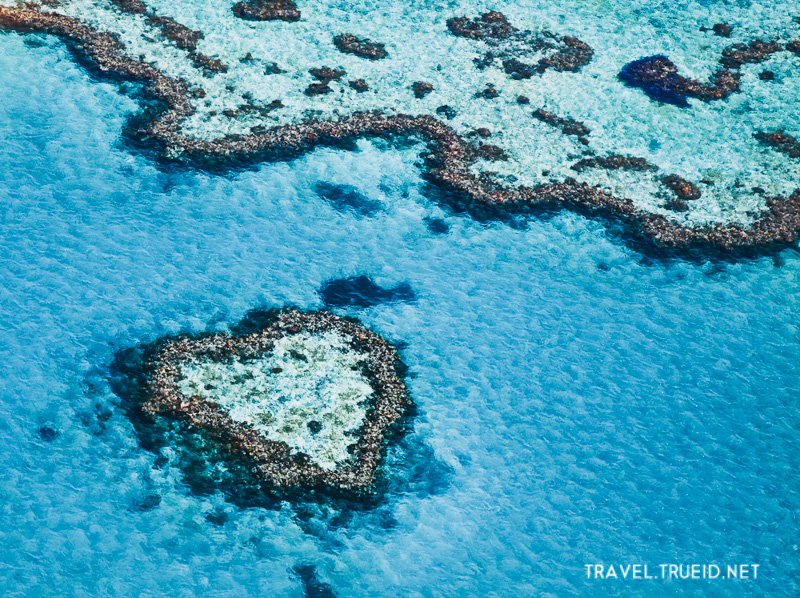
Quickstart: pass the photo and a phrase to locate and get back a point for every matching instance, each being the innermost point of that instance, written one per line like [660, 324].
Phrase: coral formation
[614, 162]
[181, 35]
[362, 291]
[507, 44]
[780, 141]
[350, 44]
[658, 77]
[421, 89]
[359, 85]
[307, 401]
[568, 126]
[267, 10]
[683, 189]
[722, 29]
[452, 161]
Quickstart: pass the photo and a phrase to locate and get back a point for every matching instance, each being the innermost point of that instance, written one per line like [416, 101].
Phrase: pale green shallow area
[304, 378]
[709, 141]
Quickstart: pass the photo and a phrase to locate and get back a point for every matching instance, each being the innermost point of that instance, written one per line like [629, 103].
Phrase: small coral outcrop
[306, 402]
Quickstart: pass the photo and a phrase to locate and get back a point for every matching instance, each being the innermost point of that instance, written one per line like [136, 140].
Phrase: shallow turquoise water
[633, 413]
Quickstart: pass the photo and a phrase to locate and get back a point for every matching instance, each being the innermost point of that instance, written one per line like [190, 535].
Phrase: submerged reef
[219, 101]
[362, 291]
[302, 402]
[347, 198]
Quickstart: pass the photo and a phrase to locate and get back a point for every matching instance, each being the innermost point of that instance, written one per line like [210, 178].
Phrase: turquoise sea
[579, 402]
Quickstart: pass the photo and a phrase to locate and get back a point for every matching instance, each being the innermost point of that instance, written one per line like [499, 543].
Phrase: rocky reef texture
[348, 43]
[782, 142]
[216, 101]
[307, 401]
[522, 54]
[658, 77]
[267, 10]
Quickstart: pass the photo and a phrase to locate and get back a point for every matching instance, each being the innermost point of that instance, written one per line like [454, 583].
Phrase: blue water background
[632, 413]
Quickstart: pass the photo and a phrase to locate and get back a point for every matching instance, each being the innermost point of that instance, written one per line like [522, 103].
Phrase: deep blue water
[576, 404]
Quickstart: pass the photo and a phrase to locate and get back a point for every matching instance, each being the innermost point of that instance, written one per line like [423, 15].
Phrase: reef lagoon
[564, 235]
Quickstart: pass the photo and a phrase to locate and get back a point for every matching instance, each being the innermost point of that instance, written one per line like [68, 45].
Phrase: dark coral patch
[326, 73]
[568, 126]
[134, 7]
[363, 48]
[359, 85]
[362, 291]
[614, 162]
[510, 46]
[347, 198]
[315, 89]
[421, 89]
[683, 189]
[208, 64]
[48, 433]
[781, 142]
[267, 10]
[722, 29]
[490, 25]
[447, 111]
[752, 53]
[181, 35]
[658, 78]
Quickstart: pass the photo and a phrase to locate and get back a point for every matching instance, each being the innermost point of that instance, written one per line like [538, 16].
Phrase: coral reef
[722, 29]
[361, 291]
[359, 85]
[421, 89]
[350, 44]
[267, 10]
[452, 161]
[507, 44]
[347, 198]
[683, 189]
[182, 36]
[754, 52]
[614, 162]
[780, 141]
[306, 402]
[568, 126]
[658, 78]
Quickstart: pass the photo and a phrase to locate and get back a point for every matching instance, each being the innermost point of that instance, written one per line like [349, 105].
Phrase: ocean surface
[578, 402]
